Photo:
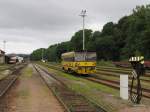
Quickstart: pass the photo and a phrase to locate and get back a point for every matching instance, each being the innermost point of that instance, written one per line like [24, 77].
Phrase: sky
[26, 25]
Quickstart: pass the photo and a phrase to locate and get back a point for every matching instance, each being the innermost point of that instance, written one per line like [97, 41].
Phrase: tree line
[117, 41]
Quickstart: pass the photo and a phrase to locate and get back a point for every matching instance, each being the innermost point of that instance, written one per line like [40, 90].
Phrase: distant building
[20, 59]
[2, 57]
[13, 59]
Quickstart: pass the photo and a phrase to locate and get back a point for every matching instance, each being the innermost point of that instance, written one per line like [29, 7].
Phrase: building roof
[2, 52]
[12, 55]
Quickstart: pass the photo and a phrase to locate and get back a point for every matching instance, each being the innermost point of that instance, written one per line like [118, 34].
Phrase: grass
[24, 93]
[83, 85]
[88, 84]
[4, 66]
[105, 63]
[4, 74]
[94, 91]
[91, 90]
[144, 84]
[27, 72]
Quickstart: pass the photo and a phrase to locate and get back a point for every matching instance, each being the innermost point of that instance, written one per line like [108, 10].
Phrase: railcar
[79, 62]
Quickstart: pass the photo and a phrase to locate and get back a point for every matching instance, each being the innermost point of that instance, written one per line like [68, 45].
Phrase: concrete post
[124, 87]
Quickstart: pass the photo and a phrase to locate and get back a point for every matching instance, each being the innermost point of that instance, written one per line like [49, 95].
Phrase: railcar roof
[68, 53]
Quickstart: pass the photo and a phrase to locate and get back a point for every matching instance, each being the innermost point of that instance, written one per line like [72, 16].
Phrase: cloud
[31, 24]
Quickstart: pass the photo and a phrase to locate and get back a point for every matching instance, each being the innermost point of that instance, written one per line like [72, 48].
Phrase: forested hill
[117, 41]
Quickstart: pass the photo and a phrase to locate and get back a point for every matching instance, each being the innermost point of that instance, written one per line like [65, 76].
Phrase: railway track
[72, 101]
[118, 68]
[119, 71]
[110, 73]
[112, 70]
[117, 75]
[115, 85]
[8, 81]
[109, 68]
[109, 83]
[116, 81]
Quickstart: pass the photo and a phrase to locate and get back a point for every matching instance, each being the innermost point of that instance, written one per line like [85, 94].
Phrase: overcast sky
[30, 24]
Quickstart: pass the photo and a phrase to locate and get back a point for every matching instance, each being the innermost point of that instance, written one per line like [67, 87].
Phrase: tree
[117, 41]
[62, 48]
[77, 39]
[37, 54]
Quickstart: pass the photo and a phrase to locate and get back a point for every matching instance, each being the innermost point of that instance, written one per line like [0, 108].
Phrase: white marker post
[124, 87]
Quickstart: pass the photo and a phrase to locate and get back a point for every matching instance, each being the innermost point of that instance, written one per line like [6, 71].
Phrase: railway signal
[138, 70]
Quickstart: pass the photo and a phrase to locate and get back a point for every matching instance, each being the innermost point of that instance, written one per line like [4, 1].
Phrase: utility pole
[4, 49]
[4, 45]
[83, 15]
[42, 53]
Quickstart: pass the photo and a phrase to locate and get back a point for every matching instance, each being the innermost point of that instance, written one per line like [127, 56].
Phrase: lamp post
[83, 15]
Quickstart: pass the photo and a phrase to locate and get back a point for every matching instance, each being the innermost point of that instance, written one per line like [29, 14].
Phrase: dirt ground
[30, 94]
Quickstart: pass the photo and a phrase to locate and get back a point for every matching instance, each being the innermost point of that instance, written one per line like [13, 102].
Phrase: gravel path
[30, 94]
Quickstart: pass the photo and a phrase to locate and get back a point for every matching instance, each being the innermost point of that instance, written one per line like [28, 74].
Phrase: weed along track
[6, 84]
[107, 82]
[116, 70]
[115, 85]
[72, 101]
[117, 75]
[8, 81]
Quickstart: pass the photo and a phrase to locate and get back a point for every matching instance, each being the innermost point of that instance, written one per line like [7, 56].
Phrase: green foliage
[77, 39]
[117, 41]
[51, 53]
[37, 54]
[105, 63]
[62, 48]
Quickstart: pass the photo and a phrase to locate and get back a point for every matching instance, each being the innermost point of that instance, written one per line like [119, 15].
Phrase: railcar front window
[85, 57]
[91, 57]
[80, 57]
